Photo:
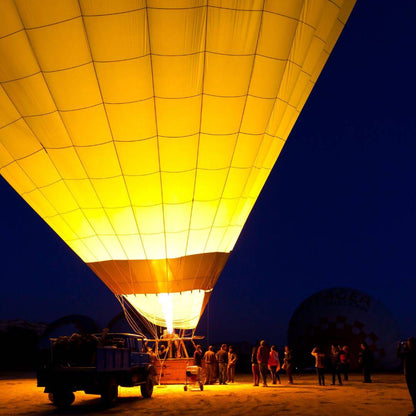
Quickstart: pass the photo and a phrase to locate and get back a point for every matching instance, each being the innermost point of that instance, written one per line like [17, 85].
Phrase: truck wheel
[109, 392]
[62, 399]
[147, 388]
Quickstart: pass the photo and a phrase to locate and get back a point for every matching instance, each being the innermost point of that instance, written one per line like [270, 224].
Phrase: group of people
[339, 361]
[265, 361]
[222, 362]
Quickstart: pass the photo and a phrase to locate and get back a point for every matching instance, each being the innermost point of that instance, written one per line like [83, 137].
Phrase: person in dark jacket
[198, 356]
[222, 359]
[288, 364]
[407, 352]
[335, 357]
[263, 359]
[366, 360]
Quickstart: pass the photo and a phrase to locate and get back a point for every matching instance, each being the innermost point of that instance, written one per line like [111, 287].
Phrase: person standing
[288, 364]
[152, 355]
[198, 356]
[274, 364]
[407, 352]
[103, 340]
[162, 352]
[344, 357]
[366, 360]
[222, 358]
[263, 359]
[232, 359]
[335, 364]
[210, 364]
[255, 366]
[319, 365]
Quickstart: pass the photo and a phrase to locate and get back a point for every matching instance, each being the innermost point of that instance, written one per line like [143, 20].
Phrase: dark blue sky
[337, 210]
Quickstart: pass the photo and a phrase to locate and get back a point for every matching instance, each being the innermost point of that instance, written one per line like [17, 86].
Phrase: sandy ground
[387, 396]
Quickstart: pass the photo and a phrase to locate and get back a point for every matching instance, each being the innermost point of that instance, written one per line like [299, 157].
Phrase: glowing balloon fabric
[143, 131]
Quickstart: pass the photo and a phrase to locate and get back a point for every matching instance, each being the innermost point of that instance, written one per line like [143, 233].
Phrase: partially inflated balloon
[143, 131]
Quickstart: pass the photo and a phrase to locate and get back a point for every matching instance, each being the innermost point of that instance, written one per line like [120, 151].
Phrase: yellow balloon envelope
[143, 131]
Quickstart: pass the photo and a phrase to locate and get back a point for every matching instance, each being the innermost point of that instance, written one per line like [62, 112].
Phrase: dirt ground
[386, 396]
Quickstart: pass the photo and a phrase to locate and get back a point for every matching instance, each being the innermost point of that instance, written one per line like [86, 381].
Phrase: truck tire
[109, 392]
[62, 398]
[147, 388]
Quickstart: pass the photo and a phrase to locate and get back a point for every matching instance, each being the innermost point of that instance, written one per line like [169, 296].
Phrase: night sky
[338, 209]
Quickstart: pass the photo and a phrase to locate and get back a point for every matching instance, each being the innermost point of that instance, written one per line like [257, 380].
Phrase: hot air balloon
[344, 316]
[143, 131]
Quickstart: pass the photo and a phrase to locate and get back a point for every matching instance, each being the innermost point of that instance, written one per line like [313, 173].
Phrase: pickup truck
[96, 366]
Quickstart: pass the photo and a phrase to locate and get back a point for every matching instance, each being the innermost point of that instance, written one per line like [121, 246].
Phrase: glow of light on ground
[387, 396]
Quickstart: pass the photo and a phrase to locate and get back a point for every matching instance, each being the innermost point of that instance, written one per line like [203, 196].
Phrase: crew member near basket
[198, 356]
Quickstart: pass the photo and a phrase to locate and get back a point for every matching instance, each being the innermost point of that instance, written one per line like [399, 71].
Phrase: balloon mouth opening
[177, 310]
[165, 300]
